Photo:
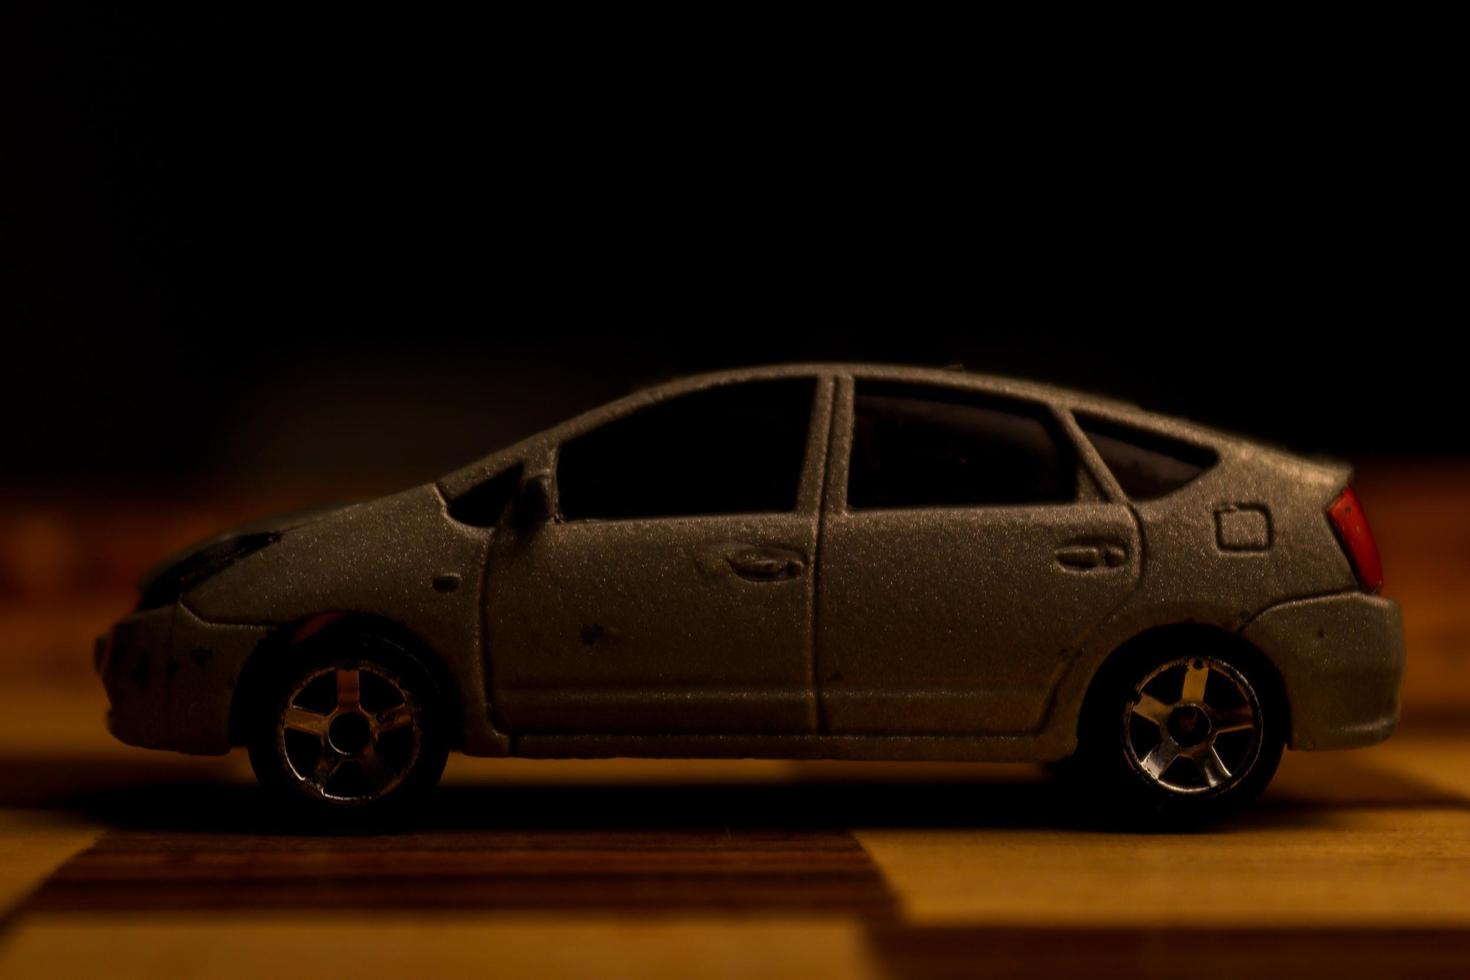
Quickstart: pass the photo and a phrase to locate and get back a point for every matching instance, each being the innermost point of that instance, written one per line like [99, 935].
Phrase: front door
[965, 554]
[673, 593]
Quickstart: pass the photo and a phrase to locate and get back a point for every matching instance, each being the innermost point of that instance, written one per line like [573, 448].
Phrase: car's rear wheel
[1182, 736]
[352, 727]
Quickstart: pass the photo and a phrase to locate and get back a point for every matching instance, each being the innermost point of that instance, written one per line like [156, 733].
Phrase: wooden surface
[121, 862]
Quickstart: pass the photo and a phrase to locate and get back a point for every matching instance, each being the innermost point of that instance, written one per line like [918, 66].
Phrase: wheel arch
[1134, 652]
[273, 654]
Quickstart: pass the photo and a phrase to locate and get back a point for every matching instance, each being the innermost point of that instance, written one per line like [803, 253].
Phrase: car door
[965, 554]
[673, 591]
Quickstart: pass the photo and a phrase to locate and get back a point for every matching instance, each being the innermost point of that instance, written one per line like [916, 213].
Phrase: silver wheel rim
[349, 733]
[1193, 726]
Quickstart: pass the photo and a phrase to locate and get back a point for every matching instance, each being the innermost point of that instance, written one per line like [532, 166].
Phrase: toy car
[819, 561]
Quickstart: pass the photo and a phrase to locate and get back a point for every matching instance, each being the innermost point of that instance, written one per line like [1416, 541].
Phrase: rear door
[965, 554]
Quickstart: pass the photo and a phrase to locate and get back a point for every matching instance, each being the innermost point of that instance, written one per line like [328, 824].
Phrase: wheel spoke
[1153, 709]
[300, 720]
[1196, 676]
[1233, 719]
[327, 765]
[1211, 766]
[372, 765]
[349, 690]
[1159, 760]
[395, 718]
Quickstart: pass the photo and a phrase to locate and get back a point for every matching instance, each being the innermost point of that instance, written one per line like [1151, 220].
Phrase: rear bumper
[1341, 658]
[170, 678]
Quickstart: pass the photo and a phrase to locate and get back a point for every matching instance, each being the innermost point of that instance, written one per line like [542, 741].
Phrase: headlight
[180, 577]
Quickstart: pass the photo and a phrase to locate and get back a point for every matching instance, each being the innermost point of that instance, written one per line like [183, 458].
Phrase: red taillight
[1356, 536]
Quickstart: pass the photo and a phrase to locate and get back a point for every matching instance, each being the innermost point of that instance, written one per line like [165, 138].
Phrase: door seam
[822, 514]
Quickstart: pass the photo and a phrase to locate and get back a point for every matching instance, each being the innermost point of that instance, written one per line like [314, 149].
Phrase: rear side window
[920, 446]
[734, 449]
[1147, 465]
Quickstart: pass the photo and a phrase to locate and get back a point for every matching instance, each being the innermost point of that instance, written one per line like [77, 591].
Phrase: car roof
[951, 377]
[958, 378]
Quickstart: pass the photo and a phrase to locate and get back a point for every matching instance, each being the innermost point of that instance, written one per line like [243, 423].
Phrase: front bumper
[1341, 658]
[170, 678]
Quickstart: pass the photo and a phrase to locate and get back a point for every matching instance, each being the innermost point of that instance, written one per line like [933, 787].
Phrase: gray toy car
[816, 561]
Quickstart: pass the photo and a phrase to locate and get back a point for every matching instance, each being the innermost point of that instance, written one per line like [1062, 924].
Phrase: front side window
[1147, 465]
[922, 446]
[732, 449]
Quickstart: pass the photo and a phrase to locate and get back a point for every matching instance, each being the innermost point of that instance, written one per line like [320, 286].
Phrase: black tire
[1180, 737]
[350, 728]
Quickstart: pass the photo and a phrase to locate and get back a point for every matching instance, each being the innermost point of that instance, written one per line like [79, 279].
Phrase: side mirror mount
[533, 501]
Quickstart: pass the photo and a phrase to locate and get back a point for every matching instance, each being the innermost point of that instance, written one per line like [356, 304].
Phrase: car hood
[276, 525]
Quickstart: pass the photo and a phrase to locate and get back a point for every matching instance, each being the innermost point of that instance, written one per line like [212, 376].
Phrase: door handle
[1088, 556]
[766, 564]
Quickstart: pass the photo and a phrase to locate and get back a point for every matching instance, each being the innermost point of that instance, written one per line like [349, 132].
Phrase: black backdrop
[240, 244]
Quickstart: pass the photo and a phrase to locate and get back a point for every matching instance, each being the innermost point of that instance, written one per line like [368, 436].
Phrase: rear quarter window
[1147, 465]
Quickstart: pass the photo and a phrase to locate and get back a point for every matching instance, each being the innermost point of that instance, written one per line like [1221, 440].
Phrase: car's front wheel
[351, 727]
[1182, 737]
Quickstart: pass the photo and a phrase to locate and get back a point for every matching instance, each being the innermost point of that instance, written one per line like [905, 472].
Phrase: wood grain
[945, 952]
[823, 871]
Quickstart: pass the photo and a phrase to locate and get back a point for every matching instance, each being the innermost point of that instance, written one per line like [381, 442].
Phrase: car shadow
[208, 798]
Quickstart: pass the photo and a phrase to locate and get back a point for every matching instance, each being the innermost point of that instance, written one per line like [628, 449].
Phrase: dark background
[242, 247]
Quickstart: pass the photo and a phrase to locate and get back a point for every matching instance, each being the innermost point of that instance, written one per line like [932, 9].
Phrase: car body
[806, 561]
